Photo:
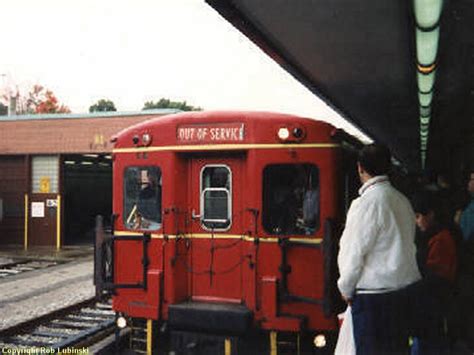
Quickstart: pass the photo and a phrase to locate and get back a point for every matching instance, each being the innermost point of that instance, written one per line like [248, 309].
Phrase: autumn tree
[103, 105]
[166, 103]
[40, 100]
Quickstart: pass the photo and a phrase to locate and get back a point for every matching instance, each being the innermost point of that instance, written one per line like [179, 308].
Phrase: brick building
[56, 174]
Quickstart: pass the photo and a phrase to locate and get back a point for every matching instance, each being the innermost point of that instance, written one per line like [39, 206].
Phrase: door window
[216, 197]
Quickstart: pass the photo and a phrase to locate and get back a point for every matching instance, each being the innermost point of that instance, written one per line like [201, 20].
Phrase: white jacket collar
[373, 181]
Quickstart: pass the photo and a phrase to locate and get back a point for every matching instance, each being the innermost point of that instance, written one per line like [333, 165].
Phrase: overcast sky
[132, 51]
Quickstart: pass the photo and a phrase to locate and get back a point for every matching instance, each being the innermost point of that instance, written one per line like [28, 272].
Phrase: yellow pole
[227, 347]
[25, 239]
[273, 343]
[149, 336]
[58, 224]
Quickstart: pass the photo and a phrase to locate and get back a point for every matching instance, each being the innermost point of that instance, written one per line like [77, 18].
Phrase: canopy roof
[361, 58]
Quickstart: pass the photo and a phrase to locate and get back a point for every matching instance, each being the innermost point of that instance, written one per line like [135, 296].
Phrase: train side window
[291, 199]
[216, 197]
[142, 198]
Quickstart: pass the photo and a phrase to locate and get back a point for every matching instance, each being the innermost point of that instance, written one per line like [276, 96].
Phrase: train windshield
[142, 198]
[291, 199]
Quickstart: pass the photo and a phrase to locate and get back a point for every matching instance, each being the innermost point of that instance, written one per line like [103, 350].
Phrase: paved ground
[34, 293]
[45, 253]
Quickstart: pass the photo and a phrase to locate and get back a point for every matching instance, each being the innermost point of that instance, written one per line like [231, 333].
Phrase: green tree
[166, 103]
[3, 109]
[103, 105]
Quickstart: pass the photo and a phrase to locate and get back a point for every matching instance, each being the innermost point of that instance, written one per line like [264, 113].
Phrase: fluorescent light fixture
[427, 12]
[425, 120]
[426, 81]
[425, 111]
[425, 99]
[87, 163]
[426, 46]
[69, 162]
[424, 129]
[90, 155]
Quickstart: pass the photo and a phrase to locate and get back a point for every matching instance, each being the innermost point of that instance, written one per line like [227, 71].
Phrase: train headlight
[283, 133]
[121, 322]
[319, 341]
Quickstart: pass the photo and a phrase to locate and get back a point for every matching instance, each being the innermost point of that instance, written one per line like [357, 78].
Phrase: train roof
[223, 128]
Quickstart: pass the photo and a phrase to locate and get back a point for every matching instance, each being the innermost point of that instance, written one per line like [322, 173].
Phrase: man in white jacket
[377, 258]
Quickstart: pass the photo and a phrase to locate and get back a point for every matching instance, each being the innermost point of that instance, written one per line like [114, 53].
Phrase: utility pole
[12, 96]
[4, 76]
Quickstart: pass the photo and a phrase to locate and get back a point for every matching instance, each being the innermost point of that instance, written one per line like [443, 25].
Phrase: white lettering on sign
[219, 132]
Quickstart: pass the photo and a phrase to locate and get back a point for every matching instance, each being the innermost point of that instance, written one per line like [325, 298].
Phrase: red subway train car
[225, 232]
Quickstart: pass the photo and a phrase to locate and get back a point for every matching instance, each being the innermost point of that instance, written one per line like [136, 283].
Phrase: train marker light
[146, 139]
[298, 133]
[283, 133]
[319, 341]
[121, 322]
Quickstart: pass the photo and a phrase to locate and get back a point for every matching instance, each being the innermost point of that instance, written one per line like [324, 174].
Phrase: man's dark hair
[375, 159]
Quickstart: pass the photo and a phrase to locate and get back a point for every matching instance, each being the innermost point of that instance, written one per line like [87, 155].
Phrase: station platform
[67, 279]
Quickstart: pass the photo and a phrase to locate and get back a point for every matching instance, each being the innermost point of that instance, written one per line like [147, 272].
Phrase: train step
[138, 337]
[288, 344]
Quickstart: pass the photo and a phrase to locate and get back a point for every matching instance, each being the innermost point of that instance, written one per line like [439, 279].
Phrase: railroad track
[70, 330]
[19, 267]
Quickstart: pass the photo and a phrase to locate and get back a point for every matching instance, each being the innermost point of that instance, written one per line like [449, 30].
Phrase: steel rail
[79, 325]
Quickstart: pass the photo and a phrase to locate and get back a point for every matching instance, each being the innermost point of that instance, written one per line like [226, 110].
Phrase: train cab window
[216, 195]
[291, 199]
[142, 198]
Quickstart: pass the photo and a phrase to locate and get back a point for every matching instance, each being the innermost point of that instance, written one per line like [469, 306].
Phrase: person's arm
[357, 240]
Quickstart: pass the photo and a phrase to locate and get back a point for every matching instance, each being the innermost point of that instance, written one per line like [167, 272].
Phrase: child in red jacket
[437, 261]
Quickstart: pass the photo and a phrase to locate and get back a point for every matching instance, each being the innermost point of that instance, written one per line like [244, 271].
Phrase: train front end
[224, 236]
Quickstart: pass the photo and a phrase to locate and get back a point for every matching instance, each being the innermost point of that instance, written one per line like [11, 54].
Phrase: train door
[215, 202]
